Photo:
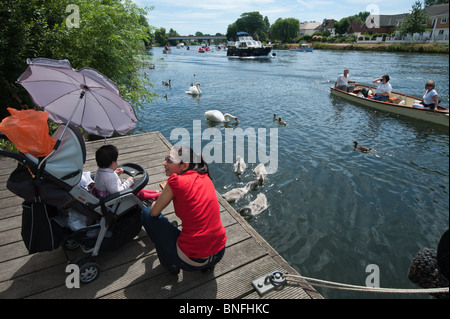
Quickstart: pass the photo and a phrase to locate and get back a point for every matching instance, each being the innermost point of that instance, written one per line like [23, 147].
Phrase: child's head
[106, 155]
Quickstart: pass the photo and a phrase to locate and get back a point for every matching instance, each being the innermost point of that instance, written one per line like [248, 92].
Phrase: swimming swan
[217, 116]
[260, 172]
[239, 166]
[256, 207]
[194, 89]
[237, 193]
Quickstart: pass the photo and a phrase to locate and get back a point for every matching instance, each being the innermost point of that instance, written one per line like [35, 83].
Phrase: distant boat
[304, 47]
[246, 47]
[398, 103]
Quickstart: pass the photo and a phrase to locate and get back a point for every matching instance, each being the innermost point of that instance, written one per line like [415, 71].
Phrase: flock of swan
[256, 206]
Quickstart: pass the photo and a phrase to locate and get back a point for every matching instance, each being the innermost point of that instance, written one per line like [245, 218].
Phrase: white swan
[195, 89]
[260, 172]
[239, 166]
[237, 193]
[256, 207]
[217, 116]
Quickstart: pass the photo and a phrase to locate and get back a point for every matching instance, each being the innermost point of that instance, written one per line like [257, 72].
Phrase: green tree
[362, 16]
[110, 38]
[251, 22]
[173, 33]
[341, 27]
[285, 29]
[416, 21]
[161, 37]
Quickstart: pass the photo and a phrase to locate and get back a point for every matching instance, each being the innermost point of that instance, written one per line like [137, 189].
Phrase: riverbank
[437, 48]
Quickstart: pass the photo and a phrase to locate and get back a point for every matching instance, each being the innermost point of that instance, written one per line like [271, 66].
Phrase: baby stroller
[51, 189]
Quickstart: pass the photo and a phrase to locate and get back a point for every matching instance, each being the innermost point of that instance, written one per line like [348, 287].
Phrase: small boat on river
[398, 103]
[246, 47]
[304, 47]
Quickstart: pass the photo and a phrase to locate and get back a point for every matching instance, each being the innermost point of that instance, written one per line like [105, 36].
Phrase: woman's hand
[163, 200]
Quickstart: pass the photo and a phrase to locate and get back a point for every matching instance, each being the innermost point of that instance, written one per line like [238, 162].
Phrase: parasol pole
[82, 94]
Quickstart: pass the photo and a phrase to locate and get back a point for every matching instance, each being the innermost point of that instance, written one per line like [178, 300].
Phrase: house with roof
[308, 28]
[382, 23]
[438, 21]
[355, 27]
[327, 24]
[438, 24]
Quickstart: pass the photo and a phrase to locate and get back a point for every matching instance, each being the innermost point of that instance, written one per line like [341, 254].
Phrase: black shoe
[173, 270]
[208, 269]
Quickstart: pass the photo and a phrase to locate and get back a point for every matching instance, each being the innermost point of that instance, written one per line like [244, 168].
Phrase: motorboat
[247, 47]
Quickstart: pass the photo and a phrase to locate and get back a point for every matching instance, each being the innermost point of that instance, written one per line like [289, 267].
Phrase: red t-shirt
[195, 202]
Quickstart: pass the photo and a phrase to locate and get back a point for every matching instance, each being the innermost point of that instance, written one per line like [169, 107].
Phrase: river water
[332, 210]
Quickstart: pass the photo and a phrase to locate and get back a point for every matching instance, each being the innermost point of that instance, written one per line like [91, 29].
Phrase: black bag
[37, 231]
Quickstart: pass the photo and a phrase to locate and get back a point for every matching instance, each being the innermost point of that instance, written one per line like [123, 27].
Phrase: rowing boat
[398, 103]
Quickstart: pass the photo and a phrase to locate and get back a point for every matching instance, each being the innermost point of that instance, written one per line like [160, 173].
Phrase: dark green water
[332, 210]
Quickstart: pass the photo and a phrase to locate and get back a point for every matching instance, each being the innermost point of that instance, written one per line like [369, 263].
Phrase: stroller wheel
[71, 244]
[89, 270]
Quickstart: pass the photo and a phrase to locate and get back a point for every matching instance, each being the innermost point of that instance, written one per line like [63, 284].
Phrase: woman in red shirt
[201, 242]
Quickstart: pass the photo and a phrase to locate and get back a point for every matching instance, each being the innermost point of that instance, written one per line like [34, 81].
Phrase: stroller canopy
[66, 163]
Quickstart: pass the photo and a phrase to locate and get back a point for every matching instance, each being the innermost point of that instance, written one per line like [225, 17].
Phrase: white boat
[304, 47]
[246, 47]
[398, 103]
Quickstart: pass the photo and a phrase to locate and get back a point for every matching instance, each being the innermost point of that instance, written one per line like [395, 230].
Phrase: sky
[214, 16]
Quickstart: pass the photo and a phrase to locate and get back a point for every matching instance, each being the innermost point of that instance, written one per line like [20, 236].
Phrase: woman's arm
[163, 200]
[436, 102]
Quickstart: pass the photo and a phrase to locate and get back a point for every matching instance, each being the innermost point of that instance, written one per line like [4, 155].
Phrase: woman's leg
[164, 235]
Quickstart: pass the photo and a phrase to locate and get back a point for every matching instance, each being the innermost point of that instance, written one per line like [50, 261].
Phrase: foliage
[161, 37]
[285, 29]
[361, 17]
[342, 26]
[416, 21]
[109, 37]
[173, 33]
[251, 22]
[7, 145]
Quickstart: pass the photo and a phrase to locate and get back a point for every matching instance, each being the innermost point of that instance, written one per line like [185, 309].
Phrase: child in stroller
[54, 181]
[107, 179]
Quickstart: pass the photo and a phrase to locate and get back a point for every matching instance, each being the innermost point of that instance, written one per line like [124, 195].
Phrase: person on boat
[383, 90]
[343, 81]
[201, 242]
[430, 99]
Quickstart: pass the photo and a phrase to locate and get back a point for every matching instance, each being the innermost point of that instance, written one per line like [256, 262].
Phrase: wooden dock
[133, 271]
